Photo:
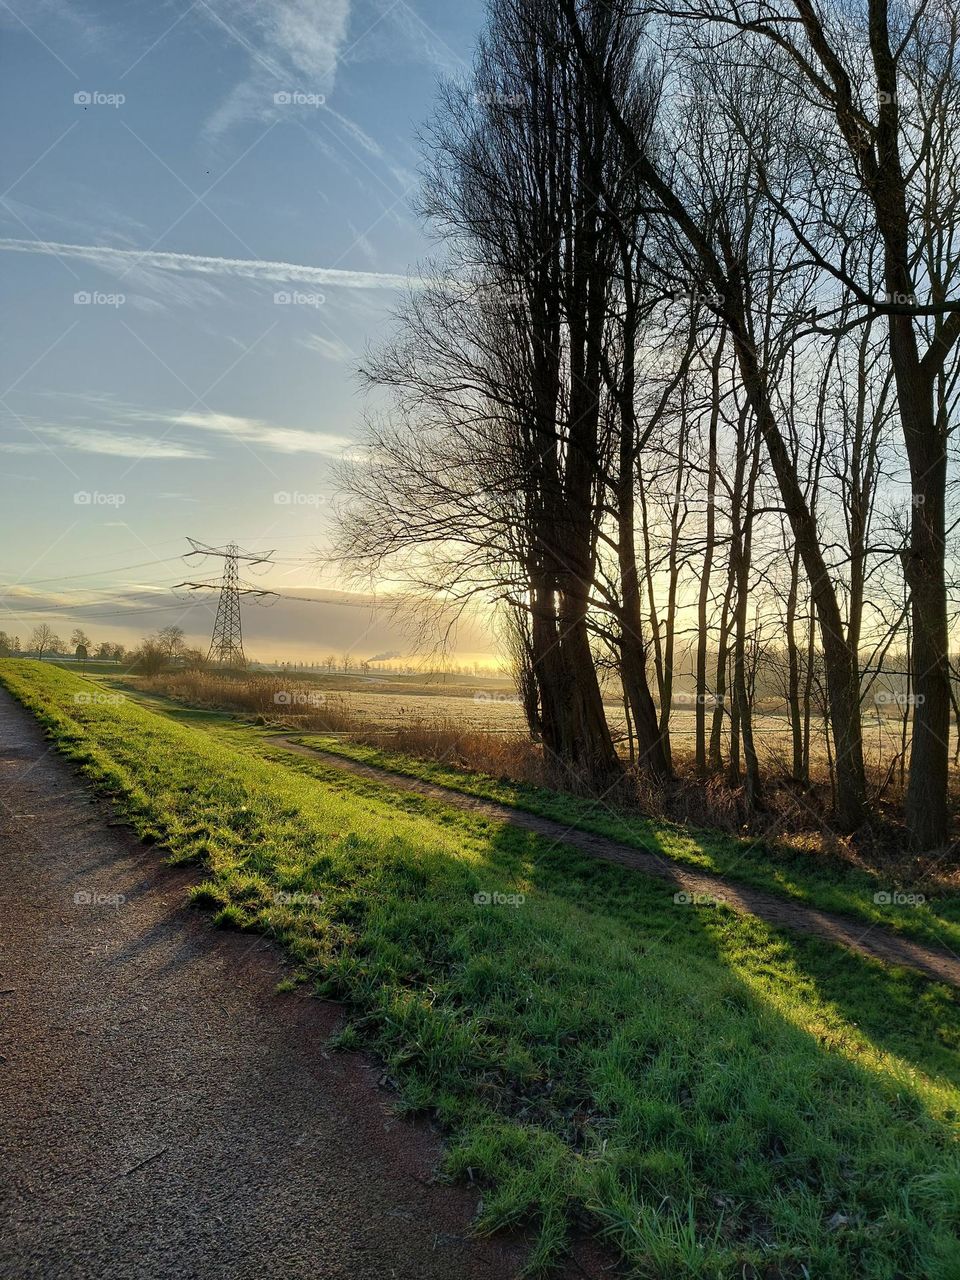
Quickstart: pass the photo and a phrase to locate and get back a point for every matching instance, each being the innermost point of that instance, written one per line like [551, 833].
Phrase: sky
[207, 217]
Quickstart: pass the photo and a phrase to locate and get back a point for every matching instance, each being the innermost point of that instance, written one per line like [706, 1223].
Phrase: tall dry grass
[298, 705]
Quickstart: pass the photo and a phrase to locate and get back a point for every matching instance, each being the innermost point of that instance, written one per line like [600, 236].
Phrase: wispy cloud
[71, 22]
[110, 427]
[121, 261]
[100, 219]
[403, 35]
[264, 435]
[107, 443]
[292, 45]
[329, 348]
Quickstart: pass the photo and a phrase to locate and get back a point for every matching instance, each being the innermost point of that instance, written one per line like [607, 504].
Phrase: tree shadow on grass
[716, 1101]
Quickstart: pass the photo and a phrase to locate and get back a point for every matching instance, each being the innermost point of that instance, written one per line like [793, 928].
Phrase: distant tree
[81, 644]
[45, 640]
[6, 648]
[151, 658]
[171, 641]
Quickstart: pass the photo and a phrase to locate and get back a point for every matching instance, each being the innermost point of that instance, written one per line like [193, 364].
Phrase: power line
[70, 608]
[91, 573]
[142, 564]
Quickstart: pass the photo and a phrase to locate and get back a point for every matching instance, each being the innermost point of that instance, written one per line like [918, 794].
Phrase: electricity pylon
[226, 646]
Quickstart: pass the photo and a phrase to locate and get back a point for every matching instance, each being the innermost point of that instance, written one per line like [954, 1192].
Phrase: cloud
[109, 222]
[403, 35]
[55, 16]
[264, 435]
[292, 46]
[109, 443]
[122, 261]
[329, 348]
[111, 427]
[356, 134]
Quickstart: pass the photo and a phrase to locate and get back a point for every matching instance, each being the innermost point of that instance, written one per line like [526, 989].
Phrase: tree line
[681, 381]
[166, 645]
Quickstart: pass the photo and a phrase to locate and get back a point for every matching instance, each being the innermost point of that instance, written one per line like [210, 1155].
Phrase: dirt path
[162, 1111]
[870, 940]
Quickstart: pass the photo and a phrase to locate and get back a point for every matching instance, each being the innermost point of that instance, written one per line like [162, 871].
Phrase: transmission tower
[226, 646]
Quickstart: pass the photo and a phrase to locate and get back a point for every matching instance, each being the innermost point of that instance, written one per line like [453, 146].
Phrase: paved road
[870, 940]
[163, 1113]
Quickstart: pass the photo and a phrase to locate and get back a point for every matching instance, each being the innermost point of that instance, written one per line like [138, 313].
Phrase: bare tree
[45, 640]
[875, 93]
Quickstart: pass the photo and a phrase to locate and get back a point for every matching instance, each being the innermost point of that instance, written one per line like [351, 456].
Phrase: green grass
[828, 883]
[717, 1098]
[92, 666]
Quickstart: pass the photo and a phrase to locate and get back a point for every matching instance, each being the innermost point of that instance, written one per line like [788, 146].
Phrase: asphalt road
[163, 1112]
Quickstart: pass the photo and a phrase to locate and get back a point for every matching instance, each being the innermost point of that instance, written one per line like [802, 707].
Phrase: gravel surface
[163, 1112]
[869, 939]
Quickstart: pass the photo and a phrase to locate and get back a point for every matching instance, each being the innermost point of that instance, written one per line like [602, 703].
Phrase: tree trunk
[793, 670]
[704, 593]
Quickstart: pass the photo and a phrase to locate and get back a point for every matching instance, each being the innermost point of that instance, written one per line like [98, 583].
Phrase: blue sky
[205, 221]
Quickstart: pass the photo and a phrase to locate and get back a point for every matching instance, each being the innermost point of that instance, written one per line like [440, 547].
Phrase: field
[714, 1097]
[490, 705]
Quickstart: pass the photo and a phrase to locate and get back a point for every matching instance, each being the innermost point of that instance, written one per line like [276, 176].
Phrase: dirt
[869, 939]
[163, 1112]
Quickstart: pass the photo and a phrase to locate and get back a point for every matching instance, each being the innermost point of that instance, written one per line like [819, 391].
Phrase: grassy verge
[718, 1099]
[924, 911]
[827, 883]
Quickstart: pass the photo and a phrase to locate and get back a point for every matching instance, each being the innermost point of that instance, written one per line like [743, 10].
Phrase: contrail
[238, 268]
